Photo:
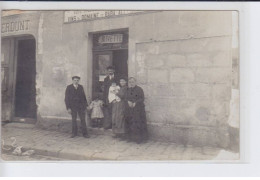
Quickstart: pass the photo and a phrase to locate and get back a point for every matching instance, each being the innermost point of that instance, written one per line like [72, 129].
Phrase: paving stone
[71, 154]
[187, 153]
[169, 148]
[200, 157]
[210, 151]
[107, 155]
[175, 156]
[155, 148]
[118, 147]
[176, 148]
[134, 151]
[128, 158]
[176, 152]
[144, 158]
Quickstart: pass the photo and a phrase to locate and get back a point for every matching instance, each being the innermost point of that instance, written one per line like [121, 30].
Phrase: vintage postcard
[117, 85]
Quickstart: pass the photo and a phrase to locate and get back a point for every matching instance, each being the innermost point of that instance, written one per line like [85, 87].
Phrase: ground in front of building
[57, 146]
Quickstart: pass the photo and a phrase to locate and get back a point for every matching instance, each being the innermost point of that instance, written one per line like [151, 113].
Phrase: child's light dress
[96, 107]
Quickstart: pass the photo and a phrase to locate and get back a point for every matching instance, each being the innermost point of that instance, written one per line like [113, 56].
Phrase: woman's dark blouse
[135, 94]
[122, 93]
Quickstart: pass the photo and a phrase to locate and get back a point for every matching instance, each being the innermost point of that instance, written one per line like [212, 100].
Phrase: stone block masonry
[187, 87]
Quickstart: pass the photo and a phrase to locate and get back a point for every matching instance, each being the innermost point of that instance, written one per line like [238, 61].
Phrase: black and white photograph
[120, 85]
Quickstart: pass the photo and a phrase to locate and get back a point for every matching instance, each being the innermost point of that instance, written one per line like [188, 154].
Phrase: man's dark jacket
[75, 98]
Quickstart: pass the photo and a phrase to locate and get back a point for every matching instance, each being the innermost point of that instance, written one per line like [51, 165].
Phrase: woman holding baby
[117, 96]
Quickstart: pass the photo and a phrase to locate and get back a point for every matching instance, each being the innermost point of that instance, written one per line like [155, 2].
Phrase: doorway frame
[92, 52]
[10, 76]
[15, 40]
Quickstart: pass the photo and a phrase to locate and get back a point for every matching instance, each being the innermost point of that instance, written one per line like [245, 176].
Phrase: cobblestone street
[59, 146]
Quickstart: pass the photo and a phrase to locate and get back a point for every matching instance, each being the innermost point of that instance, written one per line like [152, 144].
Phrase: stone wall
[187, 83]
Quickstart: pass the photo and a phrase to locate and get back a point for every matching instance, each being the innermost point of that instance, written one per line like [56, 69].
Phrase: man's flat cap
[75, 77]
[111, 67]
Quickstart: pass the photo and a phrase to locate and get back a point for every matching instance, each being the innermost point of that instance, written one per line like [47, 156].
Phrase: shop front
[182, 59]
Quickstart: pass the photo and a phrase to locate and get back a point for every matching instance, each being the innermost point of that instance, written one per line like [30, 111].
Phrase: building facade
[186, 62]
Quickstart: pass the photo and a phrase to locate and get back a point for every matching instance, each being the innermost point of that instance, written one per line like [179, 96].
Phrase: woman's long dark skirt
[136, 123]
[118, 117]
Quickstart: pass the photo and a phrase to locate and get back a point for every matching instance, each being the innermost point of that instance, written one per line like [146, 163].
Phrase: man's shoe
[86, 136]
[109, 127]
[129, 140]
[115, 136]
[73, 135]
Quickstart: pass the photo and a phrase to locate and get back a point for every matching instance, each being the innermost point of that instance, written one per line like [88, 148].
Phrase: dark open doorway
[25, 90]
[120, 58]
[109, 49]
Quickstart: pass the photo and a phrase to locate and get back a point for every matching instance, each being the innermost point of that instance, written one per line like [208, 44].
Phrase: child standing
[96, 113]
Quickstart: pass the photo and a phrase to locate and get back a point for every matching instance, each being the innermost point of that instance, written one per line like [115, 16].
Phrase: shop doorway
[109, 49]
[18, 79]
[25, 92]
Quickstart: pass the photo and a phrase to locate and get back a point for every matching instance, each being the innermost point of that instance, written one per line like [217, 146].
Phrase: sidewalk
[103, 147]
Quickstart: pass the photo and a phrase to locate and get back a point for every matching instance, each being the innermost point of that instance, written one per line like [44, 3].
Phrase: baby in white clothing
[113, 90]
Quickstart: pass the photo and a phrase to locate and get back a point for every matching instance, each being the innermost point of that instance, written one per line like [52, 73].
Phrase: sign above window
[110, 40]
[75, 16]
[15, 26]
[113, 38]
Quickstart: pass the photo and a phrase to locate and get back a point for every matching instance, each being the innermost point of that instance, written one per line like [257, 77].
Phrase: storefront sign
[15, 26]
[110, 40]
[75, 16]
[113, 38]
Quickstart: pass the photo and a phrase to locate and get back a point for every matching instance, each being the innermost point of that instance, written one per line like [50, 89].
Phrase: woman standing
[136, 117]
[119, 110]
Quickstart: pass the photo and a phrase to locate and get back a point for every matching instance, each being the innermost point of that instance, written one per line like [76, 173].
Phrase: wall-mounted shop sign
[15, 26]
[110, 40]
[75, 16]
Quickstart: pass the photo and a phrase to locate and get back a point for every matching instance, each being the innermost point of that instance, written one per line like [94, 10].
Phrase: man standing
[108, 106]
[76, 102]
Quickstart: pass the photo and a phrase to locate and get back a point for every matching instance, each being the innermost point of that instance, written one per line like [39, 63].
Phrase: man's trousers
[81, 113]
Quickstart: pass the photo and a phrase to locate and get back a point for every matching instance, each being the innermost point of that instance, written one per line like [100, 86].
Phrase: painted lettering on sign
[15, 26]
[110, 40]
[74, 16]
[113, 38]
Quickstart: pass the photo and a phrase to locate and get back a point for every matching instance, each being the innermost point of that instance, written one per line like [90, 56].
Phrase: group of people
[121, 108]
